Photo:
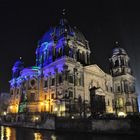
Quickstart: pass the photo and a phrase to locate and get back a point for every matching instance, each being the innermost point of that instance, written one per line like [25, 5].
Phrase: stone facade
[124, 82]
[60, 82]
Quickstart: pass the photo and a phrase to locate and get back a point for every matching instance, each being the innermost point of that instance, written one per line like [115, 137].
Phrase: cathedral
[65, 83]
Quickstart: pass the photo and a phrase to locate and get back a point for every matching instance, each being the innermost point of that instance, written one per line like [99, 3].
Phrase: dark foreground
[9, 133]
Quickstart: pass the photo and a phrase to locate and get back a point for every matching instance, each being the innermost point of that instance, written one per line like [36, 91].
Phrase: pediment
[95, 69]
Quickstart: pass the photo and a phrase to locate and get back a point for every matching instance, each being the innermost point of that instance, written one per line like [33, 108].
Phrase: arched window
[77, 54]
[88, 58]
[66, 50]
[108, 102]
[80, 56]
[126, 87]
[54, 53]
[60, 78]
[60, 52]
[122, 61]
[111, 64]
[116, 63]
[71, 52]
[83, 57]
[50, 52]
[11, 92]
[119, 102]
[45, 83]
[70, 78]
[53, 81]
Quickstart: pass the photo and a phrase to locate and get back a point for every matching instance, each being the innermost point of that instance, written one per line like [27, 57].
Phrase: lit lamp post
[11, 109]
[4, 113]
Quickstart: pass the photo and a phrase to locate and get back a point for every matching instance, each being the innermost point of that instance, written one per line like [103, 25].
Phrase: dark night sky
[102, 23]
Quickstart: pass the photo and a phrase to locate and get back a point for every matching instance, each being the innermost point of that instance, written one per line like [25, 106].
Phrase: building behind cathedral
[65, 83]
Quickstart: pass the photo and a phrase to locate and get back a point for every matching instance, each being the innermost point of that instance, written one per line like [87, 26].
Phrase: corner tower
[123, 82]
[15, 87]
[119, 62]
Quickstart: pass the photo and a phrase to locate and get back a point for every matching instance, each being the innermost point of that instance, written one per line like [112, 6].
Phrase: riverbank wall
[98, 126]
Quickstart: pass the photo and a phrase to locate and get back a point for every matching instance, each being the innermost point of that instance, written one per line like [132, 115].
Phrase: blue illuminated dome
[17, 68]
[18, 65]
[60, 41]
[119, 51]
[63, 29]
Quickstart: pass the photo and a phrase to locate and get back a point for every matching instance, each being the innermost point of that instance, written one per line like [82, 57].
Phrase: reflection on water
[53, 137]
[2, 133]
[37, 136]
[8, 133]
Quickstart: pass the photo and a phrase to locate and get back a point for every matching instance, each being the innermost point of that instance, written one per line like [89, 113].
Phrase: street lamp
[121, 114]
[55, 109]
[4, 113]
[11, 107]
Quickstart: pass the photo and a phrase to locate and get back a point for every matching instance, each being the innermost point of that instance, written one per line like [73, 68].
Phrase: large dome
[63, 29]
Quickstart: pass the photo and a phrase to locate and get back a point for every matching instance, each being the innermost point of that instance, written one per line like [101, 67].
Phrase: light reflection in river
[2, 133]
[37, 136]
[9, 133]
[53, 137]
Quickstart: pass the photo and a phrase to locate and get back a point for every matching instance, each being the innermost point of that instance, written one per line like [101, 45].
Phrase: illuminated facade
[123, 81]
[63, 77]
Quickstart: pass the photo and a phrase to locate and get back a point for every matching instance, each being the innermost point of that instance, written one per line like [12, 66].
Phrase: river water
[9, 133]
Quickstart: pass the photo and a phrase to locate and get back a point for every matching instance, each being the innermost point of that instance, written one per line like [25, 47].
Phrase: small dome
[19, 65]
[62, 29]
[119, 51]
